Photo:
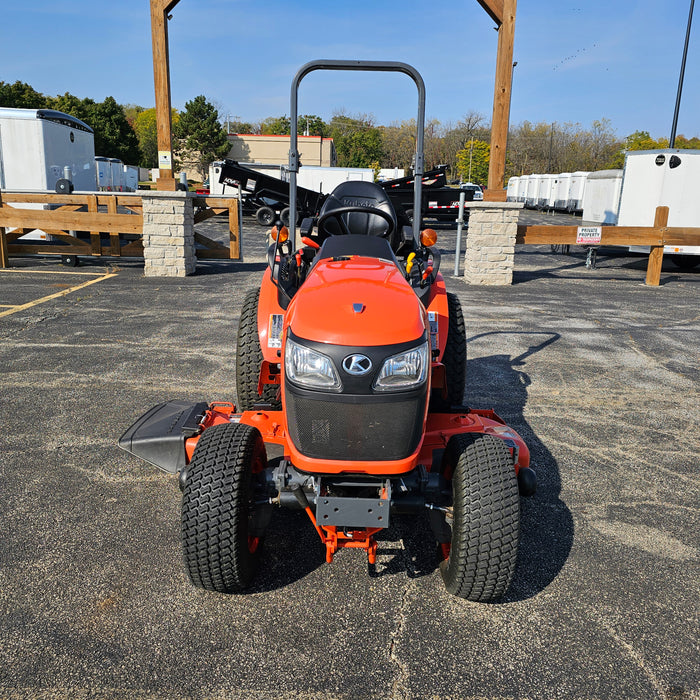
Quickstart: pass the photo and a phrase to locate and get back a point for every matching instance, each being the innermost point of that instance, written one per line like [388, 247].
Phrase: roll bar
[380, 66]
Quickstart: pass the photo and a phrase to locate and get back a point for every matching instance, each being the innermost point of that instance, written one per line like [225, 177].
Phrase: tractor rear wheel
[222, 527]
[455, 355]
[485, 517]
[249, 358]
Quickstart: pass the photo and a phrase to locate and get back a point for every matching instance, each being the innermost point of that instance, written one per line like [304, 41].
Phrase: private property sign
[588, 235]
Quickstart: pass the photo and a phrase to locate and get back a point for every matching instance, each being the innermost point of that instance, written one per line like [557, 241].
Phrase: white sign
[165, 160]
[589, 235]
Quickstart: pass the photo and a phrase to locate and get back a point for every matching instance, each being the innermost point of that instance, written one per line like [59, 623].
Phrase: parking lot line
[22, 307]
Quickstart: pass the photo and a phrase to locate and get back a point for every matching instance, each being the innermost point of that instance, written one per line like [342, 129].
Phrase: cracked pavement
[600, 375]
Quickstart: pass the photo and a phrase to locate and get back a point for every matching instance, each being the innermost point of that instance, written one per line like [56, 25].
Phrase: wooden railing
[656, 236]
[113, 223]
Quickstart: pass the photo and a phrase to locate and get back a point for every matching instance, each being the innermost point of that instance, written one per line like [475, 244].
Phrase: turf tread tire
[486, 518]
[215, 508]
[249, 358]
[455, 356]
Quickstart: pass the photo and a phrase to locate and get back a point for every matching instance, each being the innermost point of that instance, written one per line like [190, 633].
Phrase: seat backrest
[359, 194]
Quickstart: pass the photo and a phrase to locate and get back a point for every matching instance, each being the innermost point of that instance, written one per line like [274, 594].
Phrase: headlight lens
[404, 371]
[309, 368]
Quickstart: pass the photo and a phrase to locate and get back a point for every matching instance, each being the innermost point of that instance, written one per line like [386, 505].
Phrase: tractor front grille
[366, 428]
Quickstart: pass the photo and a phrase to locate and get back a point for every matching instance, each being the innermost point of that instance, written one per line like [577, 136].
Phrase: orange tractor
[350, 369]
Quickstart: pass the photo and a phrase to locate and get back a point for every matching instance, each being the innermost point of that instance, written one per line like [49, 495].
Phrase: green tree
[313, 123]
[201, 137]
[473, 161]
[21, 95]
[637, 141]
[114, 136]
[146, 129]
[358, 142]
[275, 125]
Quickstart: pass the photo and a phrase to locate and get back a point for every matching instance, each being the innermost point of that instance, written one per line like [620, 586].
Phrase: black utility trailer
[438, 201]
[267, 197]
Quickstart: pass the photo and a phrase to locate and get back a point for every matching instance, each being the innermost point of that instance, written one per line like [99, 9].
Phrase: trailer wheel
[284, 216]
[485, 517]
[70, 260]
[249, 358]
[221, 534]
[455, 355]
[265, 216]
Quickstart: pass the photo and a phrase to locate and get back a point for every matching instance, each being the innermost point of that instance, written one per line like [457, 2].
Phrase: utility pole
[672, 140]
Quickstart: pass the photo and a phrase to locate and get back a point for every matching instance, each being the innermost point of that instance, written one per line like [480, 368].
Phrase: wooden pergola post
[160, 9]
[503, 13]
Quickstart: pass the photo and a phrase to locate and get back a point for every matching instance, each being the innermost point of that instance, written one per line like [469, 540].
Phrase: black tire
[409, 215]
[70, 260]
[220, 544]
[486, 517]
[265, 216]
[455, 356]
[249, 358]
[284, 216]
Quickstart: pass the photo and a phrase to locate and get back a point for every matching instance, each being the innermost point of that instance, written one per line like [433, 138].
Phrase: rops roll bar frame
[379, 66]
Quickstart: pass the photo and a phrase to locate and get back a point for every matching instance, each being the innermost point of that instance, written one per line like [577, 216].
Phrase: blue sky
[578, 60]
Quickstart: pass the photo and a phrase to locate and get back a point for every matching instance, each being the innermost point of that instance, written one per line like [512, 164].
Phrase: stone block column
[168, 234]
[491, 233]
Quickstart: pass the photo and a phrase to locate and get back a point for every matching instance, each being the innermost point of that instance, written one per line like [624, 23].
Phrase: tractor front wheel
[222, 527]
[485, 518]
[455, 355]
[249, 358]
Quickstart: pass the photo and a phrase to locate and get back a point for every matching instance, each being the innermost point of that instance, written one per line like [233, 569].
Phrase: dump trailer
[267, 197]
[437, 200]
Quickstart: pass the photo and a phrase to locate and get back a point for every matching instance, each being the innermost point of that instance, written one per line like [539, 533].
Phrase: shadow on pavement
[546, 524]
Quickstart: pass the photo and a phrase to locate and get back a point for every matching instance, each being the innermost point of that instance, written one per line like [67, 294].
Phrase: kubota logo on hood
[357, 364]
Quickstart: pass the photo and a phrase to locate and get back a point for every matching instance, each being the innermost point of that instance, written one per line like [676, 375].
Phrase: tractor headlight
[309, 368]
[406, 370]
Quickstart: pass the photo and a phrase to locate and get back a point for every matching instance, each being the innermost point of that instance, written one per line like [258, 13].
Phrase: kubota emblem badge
[357, 364]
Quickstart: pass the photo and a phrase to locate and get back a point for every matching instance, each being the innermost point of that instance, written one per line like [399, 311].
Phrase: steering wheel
[337, 213]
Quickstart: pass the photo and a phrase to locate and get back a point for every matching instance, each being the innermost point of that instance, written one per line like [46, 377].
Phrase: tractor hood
[357, 301]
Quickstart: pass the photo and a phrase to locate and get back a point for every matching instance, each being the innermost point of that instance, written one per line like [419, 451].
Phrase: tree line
[129, 132]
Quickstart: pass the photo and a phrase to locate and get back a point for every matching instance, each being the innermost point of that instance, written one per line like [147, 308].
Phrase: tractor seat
[359, 194]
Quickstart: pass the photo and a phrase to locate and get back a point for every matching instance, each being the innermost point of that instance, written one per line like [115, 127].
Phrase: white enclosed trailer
[577, 188]
[37, 145]
[512, 189]
[601, 200]
[117, 168]
[103, 171]
[545, 191]
[561, 195]
[131, 178]
[664, 177]
[532, 187]
[325, 180]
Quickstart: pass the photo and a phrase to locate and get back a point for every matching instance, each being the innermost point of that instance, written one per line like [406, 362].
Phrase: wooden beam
[502, 96]
[73, 221]
[656, 256]
[494, 8]
[161, 79]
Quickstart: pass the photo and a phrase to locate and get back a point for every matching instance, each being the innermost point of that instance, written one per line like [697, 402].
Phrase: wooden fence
[656, 236]
[112, 224]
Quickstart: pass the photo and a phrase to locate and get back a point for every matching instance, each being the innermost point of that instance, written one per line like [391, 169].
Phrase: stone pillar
[168, 234]
[491, 234]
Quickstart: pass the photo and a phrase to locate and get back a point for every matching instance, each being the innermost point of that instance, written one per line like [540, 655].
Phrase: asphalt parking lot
[598, 372]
